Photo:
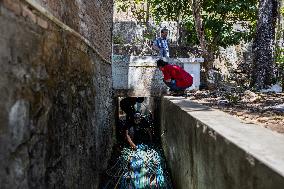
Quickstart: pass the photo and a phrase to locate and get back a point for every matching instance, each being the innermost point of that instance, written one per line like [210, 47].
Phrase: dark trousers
[172, 85]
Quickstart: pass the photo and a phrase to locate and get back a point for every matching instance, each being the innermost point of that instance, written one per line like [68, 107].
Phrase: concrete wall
[139, 75]
[91, 18]
[207, 148]
[56, 118]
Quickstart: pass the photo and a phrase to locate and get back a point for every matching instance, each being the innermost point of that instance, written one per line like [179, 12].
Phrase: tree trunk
[280, 39]
[206, 54]
[196, 10]
[264, 42]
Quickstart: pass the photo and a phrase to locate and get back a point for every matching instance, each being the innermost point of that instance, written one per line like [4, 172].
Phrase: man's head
[161, 63]
[164, 33]
[137, 117]
[139, 99]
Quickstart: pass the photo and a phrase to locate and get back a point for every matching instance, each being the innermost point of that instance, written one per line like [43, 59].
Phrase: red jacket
[183, 79]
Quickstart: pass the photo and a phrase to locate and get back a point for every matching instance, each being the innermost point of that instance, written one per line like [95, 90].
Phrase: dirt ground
[264, 109]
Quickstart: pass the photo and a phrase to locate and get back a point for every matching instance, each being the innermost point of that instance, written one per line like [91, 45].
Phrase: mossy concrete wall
[56, 118]
[92, 19]
[209, 149]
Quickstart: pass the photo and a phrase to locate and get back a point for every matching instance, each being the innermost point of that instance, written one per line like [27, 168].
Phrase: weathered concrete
[192, 66]
[56, 118]
[91, 18]
[139, 75]
[207, 148]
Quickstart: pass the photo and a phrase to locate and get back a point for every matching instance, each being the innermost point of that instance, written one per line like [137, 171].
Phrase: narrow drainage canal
[140, 165]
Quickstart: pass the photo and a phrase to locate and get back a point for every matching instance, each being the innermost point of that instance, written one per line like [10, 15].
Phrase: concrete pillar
[192, 66]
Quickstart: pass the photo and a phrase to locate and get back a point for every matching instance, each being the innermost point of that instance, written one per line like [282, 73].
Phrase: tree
[199, 27]
[263, 47]
[279, 52]
[215, 23]
[210, 24]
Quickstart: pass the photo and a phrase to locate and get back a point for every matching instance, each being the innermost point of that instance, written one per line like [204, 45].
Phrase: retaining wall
[56, 118]
[209, 149]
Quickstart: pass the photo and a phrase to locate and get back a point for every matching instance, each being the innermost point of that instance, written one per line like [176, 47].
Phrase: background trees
[211, 24]
[279, 51]
[264, 44]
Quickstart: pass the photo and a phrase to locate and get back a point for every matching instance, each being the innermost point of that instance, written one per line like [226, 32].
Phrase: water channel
[143, 167]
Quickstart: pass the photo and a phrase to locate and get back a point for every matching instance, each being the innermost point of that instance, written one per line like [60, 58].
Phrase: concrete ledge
[144, 93]
[207, 148]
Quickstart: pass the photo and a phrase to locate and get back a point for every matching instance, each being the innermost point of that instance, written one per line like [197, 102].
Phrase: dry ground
[264, 109]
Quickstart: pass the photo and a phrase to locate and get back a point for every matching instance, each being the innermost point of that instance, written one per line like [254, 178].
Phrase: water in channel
[143, 167]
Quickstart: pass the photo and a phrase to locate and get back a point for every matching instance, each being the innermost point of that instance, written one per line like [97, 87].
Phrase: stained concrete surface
[56, 118]
[207, 148]
[139, 75]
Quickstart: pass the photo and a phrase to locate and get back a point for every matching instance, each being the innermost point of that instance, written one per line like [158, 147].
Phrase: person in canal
[127, 106]
[136, 128]
[175, 77]
[138, 132]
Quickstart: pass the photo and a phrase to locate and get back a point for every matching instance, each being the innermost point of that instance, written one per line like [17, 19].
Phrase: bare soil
[263, 109]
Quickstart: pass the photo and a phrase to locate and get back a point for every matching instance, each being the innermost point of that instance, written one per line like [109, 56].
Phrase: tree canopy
[219, 17]
[208, 24]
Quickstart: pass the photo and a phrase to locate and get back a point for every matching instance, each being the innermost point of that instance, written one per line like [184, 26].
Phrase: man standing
[175, 77]
[161, 44]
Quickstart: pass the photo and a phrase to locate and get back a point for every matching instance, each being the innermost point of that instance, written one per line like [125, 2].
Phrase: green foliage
[219, 17]
[282, 11]
[150, 34]
[136, 7]
[118, 39]
[233, 98]
[167, 10]
[191, 38]
[279, 52]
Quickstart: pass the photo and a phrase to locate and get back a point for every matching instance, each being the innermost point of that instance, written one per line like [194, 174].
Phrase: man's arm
[130, 140]
[155, 45]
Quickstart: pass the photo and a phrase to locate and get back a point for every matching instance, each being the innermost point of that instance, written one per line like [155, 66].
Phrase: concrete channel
[56, 118]
[144, 167]
[209, 149]
[204, 148]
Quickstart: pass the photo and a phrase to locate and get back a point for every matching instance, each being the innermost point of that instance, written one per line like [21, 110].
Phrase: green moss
[118, 39]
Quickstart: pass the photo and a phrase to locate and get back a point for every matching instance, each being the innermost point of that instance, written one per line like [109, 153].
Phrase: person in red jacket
[175, 77]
